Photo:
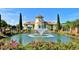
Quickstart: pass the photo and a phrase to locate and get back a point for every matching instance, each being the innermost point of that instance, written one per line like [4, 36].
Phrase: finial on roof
[39, 16]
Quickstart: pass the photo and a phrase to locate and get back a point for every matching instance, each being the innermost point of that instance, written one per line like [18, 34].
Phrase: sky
[11, 15]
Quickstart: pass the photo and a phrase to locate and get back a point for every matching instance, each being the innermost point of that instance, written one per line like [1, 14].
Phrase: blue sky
[11, 15]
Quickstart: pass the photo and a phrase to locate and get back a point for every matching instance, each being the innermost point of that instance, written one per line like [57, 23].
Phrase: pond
[27, 39]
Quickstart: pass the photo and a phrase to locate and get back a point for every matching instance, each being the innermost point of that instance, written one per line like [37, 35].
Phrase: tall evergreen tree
[20, 22]
[20, 28]
[0, 22]
[58, 22]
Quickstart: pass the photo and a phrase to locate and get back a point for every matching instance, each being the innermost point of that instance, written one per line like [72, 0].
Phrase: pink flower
[14, 44]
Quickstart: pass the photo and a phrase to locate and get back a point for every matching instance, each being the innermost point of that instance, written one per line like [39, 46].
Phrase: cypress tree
[0, 22]
[58, 22]
[20, 22]
[20, 28]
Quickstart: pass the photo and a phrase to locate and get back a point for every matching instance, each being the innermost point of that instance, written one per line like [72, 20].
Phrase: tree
[67, 25]
[76, 23]
[20, 22]
[0, 22]
[58, 22]
[3, 23]
[71, 24]
[14, 27]
[20, 28]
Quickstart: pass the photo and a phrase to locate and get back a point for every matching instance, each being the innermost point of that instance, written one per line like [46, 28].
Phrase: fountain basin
[28, 38]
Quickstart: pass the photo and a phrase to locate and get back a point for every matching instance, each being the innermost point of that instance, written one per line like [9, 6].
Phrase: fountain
[41, 33]
[40, 30]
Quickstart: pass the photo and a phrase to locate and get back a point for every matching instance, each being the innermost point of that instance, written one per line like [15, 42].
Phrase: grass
[5, 39]
[1, 34]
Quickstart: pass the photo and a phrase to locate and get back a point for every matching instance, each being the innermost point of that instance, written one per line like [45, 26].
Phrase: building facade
[39, 23]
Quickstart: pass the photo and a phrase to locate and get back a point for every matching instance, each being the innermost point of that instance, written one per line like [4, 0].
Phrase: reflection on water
[20, 38]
